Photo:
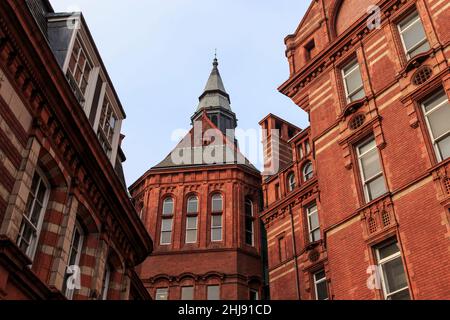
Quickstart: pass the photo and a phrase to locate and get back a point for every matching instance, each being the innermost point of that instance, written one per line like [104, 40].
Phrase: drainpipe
[294, 245]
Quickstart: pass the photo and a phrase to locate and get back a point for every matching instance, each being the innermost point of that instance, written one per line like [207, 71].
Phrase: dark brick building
[201, 206]
[65, 214]
[360, 207]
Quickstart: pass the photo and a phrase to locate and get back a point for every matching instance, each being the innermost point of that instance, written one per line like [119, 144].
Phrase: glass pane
[319, 276]
[216, 234]
[191, 223]
[191, 236]
[394, 275]
[413, 35]
[314, 221]
[376, 188]
[353, 81]
[187, 293]
[249, 224]
[248, 208]
[168, 207]
[322, 291]
[213, 293]
[162, 294]
[27, 234]
[217, 203]
[316, 235]
[444, 148]
[249, 238]
[388, 250]
[192, 205]
[366, 146]
[402, 295]
[371, 165]
[435, 101]
[216, 221]
[166, 237]
[35, 215]
[166, 225]
[440, 120]
[357, 95]
[423, 48]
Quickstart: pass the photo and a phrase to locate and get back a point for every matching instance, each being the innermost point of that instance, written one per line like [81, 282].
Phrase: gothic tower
[203, 214]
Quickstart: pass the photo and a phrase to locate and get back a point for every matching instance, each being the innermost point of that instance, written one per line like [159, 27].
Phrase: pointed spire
[214, 94]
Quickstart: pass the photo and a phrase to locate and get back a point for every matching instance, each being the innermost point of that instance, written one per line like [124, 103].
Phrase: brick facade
[55, 175]
[414, 210]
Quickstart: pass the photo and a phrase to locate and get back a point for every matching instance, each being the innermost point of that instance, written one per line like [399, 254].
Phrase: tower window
[74, 259]
[213, 292]
[167, 222]
[162, 294]
[310, 50]
[249, 223]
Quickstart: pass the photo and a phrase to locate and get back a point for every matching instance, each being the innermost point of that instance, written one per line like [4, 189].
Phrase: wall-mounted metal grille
[357, 121]
[422, 75]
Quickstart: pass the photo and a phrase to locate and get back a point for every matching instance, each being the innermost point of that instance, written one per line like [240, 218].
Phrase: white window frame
[256, 292]
[310, 211]
[217, 228]
[319, 281]
[435, 141]
[382, 262]
[214, 198]
[250, 203]
[401, 30]
[77, 228]
[192, 229]
[348, 69]
[366, 181]
[158, 292]
[161, 241]
[32, 246]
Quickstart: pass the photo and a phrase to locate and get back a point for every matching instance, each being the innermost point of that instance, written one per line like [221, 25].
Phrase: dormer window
[107, 125]
[79, 70]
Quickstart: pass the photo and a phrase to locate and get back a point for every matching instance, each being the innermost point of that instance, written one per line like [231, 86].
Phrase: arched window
[167, 221]
[291, 182]
[192, 220]
[192, 205]
[249, 223]
[168, 206]
[73, 264]
[217, 203]
[216, 217]
[308, 171]
[33, 216]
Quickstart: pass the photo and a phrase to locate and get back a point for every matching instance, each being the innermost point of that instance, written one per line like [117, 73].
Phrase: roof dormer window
[107, 125]
[79, 70]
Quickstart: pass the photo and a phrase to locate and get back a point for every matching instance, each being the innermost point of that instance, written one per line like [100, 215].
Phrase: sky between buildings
[159, 55]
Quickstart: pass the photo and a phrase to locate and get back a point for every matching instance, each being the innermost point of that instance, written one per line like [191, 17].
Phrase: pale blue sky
[159, 54]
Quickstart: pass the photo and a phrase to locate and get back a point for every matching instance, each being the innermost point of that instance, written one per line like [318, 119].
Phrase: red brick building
[201, 206]
[360, 207]
[65, 214]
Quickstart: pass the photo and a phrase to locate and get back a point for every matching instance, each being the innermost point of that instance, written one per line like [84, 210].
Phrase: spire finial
[216, 62]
